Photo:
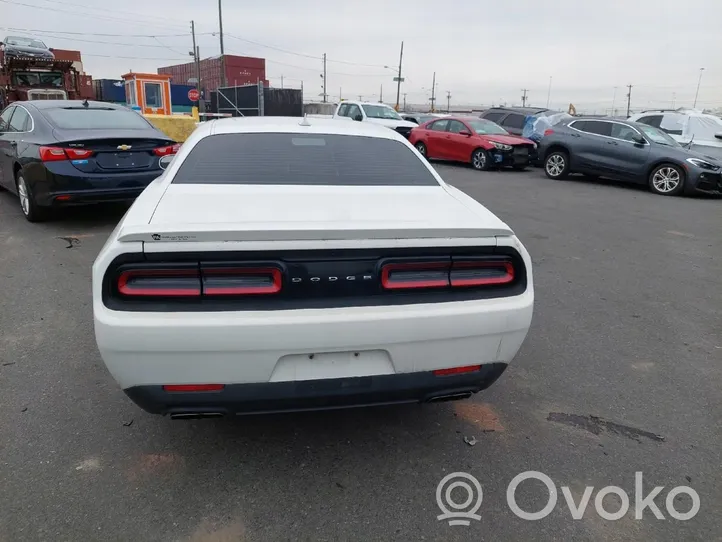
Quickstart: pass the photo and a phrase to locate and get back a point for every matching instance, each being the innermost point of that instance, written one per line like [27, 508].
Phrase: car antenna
[304, 121]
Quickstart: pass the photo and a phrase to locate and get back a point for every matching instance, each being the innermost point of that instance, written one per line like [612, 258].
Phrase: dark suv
[627, 151]
[512, 118]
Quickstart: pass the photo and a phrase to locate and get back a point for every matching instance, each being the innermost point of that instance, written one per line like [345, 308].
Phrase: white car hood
[196, 212]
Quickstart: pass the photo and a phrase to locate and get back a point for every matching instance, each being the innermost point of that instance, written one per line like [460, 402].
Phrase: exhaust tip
[449, 397]
[195, 415]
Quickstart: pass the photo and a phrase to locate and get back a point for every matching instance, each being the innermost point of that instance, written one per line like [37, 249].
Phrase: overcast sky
[482, 52]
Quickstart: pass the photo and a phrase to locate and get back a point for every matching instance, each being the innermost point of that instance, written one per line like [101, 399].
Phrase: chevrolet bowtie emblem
[124, 147]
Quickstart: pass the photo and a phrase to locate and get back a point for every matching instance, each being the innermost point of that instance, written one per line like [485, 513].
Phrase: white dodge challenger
[296, 264]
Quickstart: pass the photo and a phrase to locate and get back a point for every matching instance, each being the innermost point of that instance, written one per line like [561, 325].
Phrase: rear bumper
[328, 394]
[60, 184]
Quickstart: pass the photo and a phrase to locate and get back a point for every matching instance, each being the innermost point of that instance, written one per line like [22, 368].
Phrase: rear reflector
[482, 273]
[160, 282]
[399, 276]
[241, 281]
[457, 370]
[192, 387]
[63, 198]
[548, 131]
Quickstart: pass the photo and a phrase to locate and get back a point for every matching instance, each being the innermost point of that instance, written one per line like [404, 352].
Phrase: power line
[108, 42]
[36, 31]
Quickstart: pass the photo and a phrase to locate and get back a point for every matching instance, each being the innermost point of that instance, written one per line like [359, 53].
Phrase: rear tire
[556, 165]
[667, 180]
[480, 160]
[31, 210]
[421, 147]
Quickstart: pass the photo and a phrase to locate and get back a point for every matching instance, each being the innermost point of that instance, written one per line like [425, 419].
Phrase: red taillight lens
[457, 370]
[481, 273]
[242, 281]
[160, 282]
[56, 154]
[170, 149]
[192, 387]
[548, 131]
[52, 154]
[78, 154]
[399, 276]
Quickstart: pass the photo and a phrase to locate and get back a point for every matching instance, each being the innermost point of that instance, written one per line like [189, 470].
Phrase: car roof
[64, 104]
[524, 110]
[296, 125]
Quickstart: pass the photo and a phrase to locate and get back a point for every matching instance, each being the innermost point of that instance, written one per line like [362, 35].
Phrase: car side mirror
[359, 117]
[718, 135]
[466, 133]
[639, 140]
[165, 161]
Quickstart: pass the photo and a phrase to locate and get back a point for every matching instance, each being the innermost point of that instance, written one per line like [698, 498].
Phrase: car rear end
[246, 297]
[98, 154]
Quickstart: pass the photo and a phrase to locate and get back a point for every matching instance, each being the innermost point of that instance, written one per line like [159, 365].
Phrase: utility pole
[448, 101]
[674, 99]
[282, 81]
[404, 101]
[699, 82]
[381, 94]
[433, 93]
[614, 99]
[339, 94]
[197, 63]
[223, 60]
[398, 78]
[629, 100]
[549, 92]
[523, 96]
[324, 77]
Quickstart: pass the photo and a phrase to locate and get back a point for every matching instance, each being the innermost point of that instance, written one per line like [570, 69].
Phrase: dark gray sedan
[628, 151]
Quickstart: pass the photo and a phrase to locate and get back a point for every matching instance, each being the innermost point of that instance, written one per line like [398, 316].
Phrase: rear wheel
[556, 166]
[666, 180]
[481, 160]
[421, 147]
[30, 209]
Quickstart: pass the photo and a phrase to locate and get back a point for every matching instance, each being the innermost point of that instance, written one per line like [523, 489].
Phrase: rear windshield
[81, 118]
[303, 159]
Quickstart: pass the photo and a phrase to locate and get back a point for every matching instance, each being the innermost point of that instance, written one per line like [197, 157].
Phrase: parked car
[482, 143]
[20, 46]
[628, 151]
[421, 118]
[68, 152]
[698, 131]
[374, 113]
[282, 265]
[512, 118]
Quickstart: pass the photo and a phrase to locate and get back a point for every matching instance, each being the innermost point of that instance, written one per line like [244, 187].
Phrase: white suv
[375, 113]
[702, 132]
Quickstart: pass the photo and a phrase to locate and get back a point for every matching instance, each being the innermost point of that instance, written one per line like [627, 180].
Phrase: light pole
[549, 92]
[614, 98]
[699, 82]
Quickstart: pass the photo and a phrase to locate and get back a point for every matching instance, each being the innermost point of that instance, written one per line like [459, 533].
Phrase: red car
[477, 141]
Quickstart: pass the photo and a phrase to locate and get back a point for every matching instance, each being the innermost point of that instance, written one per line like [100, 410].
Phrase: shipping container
[109, 90]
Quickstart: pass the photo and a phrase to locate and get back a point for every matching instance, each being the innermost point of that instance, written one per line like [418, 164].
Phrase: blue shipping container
[110, 90]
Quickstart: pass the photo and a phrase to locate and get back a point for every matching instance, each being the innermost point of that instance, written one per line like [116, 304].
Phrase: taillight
[481, 273]
[548, 131]
[463, 272]
[56, 154]
[398, 276]
[52, 154]
[169, 149]
[241, 281]
[160, 282]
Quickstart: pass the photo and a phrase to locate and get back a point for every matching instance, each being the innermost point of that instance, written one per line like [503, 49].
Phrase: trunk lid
[199, 213]
[112, 151]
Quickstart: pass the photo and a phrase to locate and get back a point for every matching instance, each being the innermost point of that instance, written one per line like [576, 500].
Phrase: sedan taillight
[168, 149]
[160, 283]
[57, 154]
[481, 273]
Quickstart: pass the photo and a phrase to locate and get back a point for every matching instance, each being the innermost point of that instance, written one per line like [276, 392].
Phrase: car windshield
[80, 118]
[486, 127]
[303, 159]
[32, 79]
[657, 135]
[380, 112]
[26, 42]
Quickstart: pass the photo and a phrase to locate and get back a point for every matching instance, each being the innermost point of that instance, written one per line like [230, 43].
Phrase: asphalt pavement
[621, 373]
